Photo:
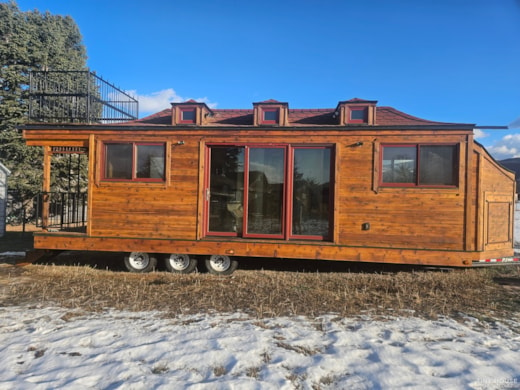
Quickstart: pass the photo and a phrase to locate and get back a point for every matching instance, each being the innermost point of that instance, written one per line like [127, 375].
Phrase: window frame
[193, 110]
[290, 193]
[134, 179]
[287, 204]
[265, 110]
[353, 109]
[417, 184]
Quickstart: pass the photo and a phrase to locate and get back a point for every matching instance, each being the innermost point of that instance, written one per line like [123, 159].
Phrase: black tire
[140, 262]
[180, 264]
[221, 265]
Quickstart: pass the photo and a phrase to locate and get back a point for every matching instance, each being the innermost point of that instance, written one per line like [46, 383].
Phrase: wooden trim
[261, 248]
[203, 186]
[479, 204]
[91, 180]
[168, 163]
[337, 151]
[376, 161]
[468, 245]
[46, 185]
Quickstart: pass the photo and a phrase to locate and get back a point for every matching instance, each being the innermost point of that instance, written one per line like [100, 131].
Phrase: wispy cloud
[479, 134]
[157, 101]
[507, 147]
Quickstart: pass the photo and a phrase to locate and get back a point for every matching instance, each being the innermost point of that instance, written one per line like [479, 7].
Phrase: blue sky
[444, 60]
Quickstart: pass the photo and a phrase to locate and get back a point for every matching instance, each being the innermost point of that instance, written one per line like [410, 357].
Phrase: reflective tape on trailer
[500, 260]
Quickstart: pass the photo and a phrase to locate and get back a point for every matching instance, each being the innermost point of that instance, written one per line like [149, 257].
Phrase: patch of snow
[48, 348]
[12, 254]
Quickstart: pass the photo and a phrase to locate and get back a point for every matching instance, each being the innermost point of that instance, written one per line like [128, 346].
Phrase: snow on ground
[51, 348]
[48, 348]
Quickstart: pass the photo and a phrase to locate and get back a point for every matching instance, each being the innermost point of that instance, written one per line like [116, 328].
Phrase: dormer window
[358, 115]
[188, 115]
[270, 116]
[270, 112]
[356, 111]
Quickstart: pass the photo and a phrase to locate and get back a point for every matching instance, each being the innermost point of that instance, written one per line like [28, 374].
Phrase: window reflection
[311, 192]
[248, 192]
[150, 161]
[265, 191]
[399, 163]
[226, 189]
[118, 161]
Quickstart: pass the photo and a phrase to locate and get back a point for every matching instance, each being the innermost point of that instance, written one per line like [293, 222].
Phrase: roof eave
[346, 128]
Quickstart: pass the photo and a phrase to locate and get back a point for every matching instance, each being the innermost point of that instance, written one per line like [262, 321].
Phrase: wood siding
[494, 206]
[443, 226]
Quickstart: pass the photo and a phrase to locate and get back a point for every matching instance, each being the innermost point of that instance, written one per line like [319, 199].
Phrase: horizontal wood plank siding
[151, 210]
[398, 217]
[414, 225]
[496, 205]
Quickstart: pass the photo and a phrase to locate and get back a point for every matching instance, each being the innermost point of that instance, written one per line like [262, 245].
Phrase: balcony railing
[78, 97]
[67, 211]
[53, 211]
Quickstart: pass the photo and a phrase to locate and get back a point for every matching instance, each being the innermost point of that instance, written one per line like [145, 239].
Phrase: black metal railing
[78, 97]
[67, 211]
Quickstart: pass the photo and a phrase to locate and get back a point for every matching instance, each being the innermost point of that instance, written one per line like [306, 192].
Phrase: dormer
[270, 113]
[190, 112]
[356, 112]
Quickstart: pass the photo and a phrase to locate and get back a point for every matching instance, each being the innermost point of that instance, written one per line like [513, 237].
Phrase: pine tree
[29, 41]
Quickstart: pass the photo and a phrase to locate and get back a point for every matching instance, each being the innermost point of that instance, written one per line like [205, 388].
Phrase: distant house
[4, 174]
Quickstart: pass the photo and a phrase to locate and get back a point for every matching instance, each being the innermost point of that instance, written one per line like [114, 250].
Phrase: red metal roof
[385, 116]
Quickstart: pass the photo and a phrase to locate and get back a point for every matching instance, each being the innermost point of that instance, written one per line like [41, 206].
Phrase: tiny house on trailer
[358, 182]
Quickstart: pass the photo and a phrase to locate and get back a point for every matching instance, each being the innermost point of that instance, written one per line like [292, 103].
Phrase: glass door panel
[226, 190]
[266, 188]
[311, 192]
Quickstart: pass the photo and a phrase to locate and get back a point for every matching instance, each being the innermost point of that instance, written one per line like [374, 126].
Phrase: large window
[419, 165]
[274, 191]
[134, 161]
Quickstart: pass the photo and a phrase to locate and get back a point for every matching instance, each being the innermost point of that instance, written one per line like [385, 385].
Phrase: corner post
[47, 154]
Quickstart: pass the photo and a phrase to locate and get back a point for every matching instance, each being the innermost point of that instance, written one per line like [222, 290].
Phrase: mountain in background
[513, 164]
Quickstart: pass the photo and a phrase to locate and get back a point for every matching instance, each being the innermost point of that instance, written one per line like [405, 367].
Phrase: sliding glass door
[311, 179]
[273, 191]
[266, 191]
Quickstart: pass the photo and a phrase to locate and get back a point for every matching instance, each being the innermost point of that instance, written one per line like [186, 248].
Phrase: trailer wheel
[221, 265]
[140, 262]
[180, 264]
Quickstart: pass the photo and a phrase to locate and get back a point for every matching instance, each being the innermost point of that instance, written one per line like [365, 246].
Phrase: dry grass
[480, 292]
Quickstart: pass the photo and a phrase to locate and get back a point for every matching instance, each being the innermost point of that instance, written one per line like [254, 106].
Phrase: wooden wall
[494, 206]
[150, 210]
[421, 218]
[415, 218]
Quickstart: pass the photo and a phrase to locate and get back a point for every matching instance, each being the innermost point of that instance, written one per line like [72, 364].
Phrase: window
[358, 115]
[419, 165]
[134, 161]
[270, 116]
[274, 191]
[188, 115]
